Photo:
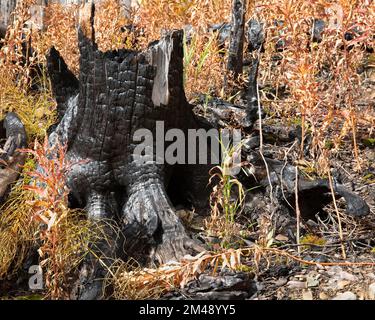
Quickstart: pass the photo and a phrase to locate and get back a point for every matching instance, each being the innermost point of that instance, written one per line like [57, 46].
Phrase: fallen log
[228, 285]
[313, 195]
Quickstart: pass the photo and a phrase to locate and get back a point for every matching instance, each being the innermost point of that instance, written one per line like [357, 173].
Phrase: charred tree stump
[120, 92]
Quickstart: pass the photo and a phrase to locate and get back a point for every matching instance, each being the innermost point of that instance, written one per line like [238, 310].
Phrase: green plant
[188, 54]
[227, 196]
[202, 63]
[312, 239]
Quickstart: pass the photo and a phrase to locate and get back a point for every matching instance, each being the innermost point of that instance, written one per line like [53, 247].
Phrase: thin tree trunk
[237, 37]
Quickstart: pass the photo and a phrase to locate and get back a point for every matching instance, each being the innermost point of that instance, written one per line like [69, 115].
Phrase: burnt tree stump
[117, 93]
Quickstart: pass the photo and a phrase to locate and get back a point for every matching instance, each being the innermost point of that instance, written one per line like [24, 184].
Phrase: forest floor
[329, 276]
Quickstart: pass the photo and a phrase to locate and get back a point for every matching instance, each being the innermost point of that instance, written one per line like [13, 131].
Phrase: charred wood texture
[237, 37]
[255, 39]
[229, 285]
[65, 84]
[217, 113]
[255, 35]
[13, 137]
[252, 91]
[313, 195]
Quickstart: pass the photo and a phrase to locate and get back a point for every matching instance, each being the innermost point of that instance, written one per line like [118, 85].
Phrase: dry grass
[61, 23]
[16, 46]
[17, 231]
[61, 32]
[158, 15]
[321, 80]
[204, 67]
[132, 282]
[65, 235]
[37, 111]
[323, 86]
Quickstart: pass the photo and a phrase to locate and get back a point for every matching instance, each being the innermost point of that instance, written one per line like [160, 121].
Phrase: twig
[338, 215]
[332, 244]
[288, 255]
[366, 185]
[308, 244]
[282, 173]
[354, 125]
[298, 212]
[261, 139]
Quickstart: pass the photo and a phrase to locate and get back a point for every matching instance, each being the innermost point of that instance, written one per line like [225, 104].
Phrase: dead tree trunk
[237, 37]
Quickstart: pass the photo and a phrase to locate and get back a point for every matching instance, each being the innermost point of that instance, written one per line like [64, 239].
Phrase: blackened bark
[11, 159]
[313, 194]
[255, 35]
[237, 37]
[252, 92]
[65, 84]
